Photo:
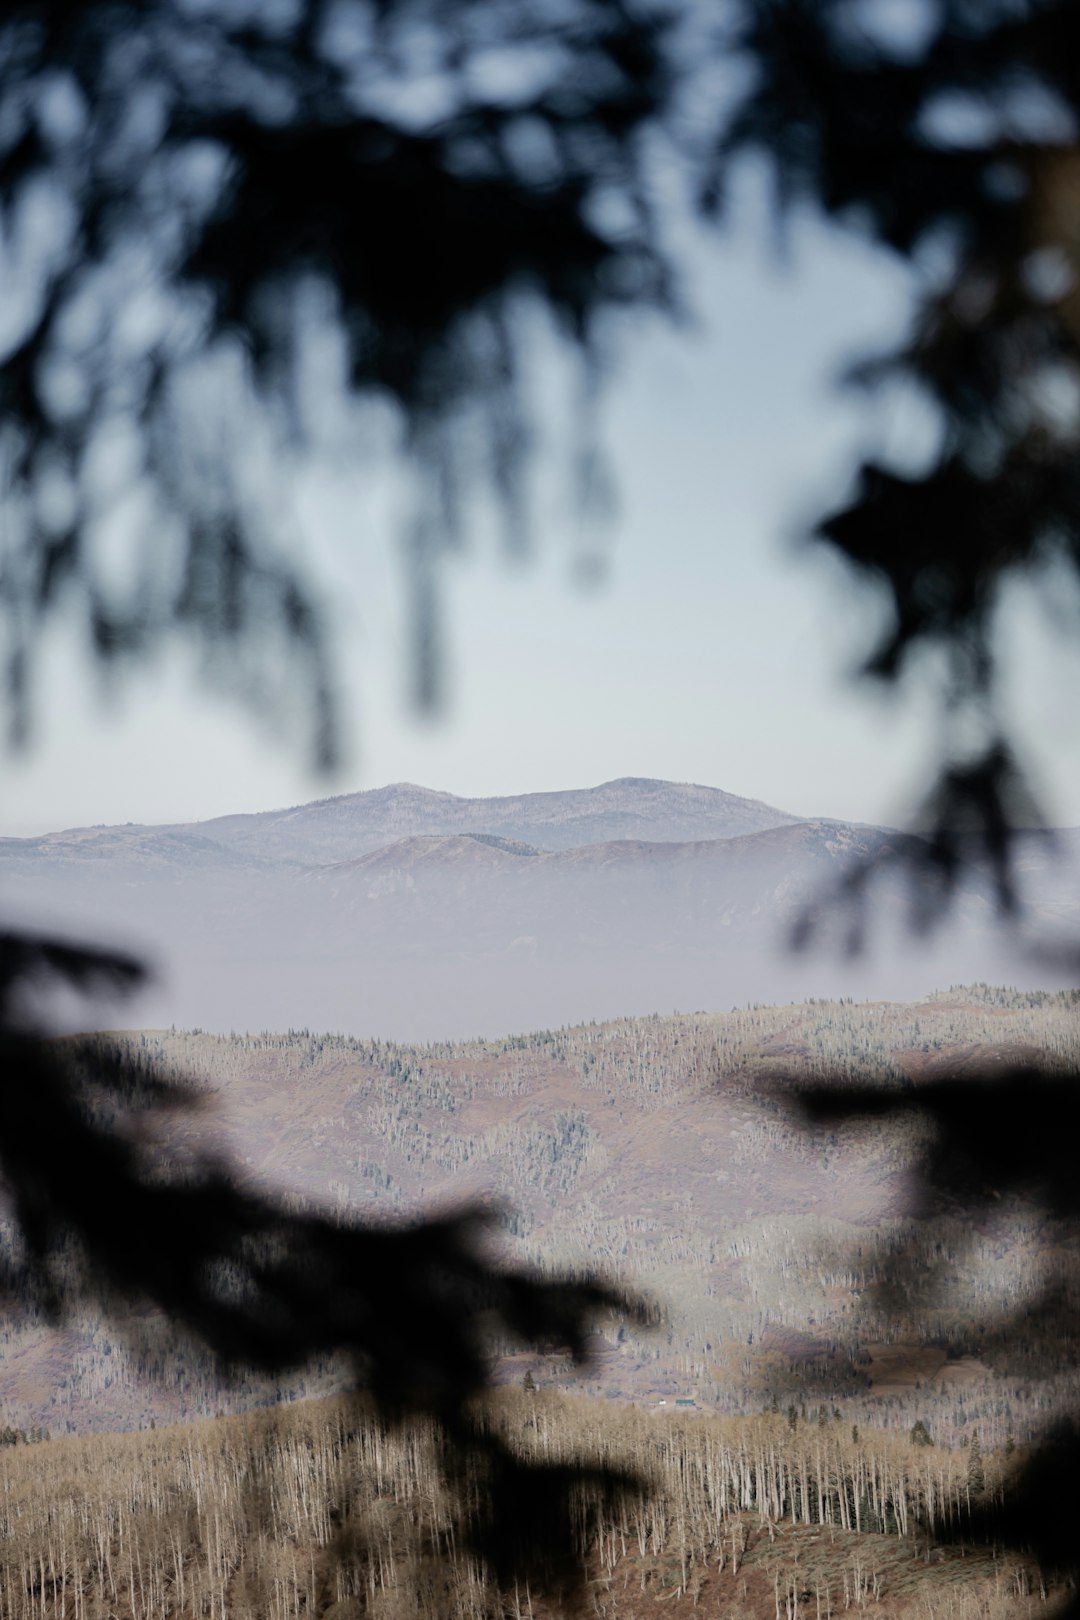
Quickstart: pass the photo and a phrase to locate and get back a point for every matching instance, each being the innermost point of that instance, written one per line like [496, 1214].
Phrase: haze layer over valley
[410, 914]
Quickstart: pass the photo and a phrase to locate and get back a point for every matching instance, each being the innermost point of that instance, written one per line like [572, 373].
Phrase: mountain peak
[634, 807]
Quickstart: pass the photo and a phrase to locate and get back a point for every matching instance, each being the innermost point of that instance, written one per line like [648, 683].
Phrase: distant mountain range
[351, 825]
[416, 914]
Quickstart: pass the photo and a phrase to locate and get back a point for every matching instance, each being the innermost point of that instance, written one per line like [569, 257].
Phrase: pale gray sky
[712, 652]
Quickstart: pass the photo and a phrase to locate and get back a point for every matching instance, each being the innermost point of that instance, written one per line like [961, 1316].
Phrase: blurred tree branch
[188, 191]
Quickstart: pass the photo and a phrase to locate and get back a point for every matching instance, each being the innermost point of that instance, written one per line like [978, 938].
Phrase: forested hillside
[321, 1510]
[662, 1151]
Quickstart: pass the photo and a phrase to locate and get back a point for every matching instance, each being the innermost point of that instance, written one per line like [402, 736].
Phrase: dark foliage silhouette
[413, 1308]
[184, 193]
[1002, 1135]
[189, 192]
[191, 195]
[957, 148]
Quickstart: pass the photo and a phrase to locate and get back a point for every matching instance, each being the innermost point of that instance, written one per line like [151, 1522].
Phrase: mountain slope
[658, 1150]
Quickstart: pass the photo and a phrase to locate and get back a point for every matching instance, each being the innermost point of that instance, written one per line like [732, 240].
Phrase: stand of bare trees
[324, 1509]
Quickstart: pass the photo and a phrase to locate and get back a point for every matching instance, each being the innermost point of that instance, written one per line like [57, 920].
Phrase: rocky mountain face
[411, 914]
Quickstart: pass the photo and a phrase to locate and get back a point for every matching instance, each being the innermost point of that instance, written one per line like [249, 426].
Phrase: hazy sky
[713, 651]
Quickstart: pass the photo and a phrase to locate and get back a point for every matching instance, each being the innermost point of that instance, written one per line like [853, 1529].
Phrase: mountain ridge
[562, 818]
[324, 831]
[554, 909]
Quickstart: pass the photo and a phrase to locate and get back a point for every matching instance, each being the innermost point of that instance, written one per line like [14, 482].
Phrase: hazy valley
[409, 914]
